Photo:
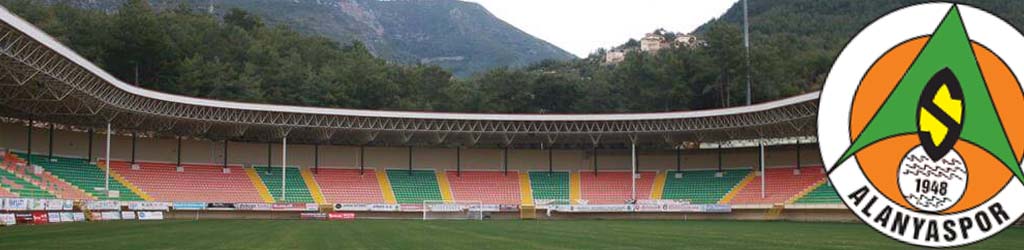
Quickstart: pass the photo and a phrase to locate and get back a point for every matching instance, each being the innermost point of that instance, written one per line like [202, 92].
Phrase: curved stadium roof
[43, 80]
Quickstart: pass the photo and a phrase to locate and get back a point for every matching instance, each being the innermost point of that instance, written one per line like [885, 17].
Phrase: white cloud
[583, 26]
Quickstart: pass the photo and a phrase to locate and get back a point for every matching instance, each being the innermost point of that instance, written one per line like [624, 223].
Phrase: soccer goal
[452, 210]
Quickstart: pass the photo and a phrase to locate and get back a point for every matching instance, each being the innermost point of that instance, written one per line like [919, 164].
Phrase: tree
[726, 53]
[243, 19]
[141, 46]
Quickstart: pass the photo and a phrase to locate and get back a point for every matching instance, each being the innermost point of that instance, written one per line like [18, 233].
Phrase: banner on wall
[220, 206]
[103, 205]
[128, 215]
[313, 216]
[67, 217]
[416, 207]
[36, 205]
[7, 219]
[192, 206]
[78, 216]
[508, 208]
[682, 208]
[384, 207]
[16, 204]
[40, 218]
[69, 205]
[23, 218]
[351, 207]
[486, 208]
[294, 207]
[448, 207]
[157, 215]
[341, 216]
[601, 208]
[717, 208]
[149, 206]
[54, 205]
[53, 217]
[254, 206]
[111, 215]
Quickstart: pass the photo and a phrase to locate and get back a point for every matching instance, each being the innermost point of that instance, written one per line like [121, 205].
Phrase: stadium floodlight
[632, 175]
[106, 178]
[760, 161]
[452, 210]
[284, 167]
[746, 45]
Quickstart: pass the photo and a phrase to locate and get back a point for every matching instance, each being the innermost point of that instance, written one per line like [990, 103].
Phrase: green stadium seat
[550, 185]
[295, 187]
[701, 186]
[824, 194]
[414, 187]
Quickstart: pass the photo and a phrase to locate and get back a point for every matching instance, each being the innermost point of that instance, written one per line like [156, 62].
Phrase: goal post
[452, 210]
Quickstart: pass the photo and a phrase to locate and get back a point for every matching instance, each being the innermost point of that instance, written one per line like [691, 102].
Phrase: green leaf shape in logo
[949, 48]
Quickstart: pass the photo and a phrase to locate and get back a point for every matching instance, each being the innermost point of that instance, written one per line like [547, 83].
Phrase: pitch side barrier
[27, 211]
[39, 211]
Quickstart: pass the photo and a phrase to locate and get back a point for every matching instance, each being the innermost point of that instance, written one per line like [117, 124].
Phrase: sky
[583, 26]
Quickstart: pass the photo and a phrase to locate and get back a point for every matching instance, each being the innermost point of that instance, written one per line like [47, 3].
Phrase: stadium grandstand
[77, 142]
[72, 131]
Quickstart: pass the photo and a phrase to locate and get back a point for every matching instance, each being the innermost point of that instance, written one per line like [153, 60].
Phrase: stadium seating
[196, 183]
[824, 194]
[782, 184]
[23, 188]
[701, 186]
[15, 183]
[84, 175]
[295, 189]
[73, 178]
[4, 193]
[413, 187]
[348, 186]
[608, 187]
[488, 187]
[44, 180]
[550, 186]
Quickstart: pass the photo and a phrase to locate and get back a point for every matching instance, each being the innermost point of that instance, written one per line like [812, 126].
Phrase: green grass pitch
[413, 234]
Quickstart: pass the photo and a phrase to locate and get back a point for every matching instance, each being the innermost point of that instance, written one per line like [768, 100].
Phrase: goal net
[452, 210]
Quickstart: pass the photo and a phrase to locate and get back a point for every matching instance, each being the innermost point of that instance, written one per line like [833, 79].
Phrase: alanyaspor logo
[922, 137]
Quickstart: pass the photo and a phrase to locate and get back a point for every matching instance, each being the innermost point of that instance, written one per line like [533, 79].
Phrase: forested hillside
[462, 37]
[237, 56]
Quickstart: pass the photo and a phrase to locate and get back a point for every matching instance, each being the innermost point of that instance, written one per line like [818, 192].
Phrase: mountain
[234, 57]
[462, 37]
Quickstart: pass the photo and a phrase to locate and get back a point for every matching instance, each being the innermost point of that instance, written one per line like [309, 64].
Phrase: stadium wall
[758, 214]
[75, 144]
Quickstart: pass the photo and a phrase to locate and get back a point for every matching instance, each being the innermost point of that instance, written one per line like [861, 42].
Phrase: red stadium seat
[4, 193]
[781, 184]
[614, 187]
[349, 186]
[205, 183]
[488, 187]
